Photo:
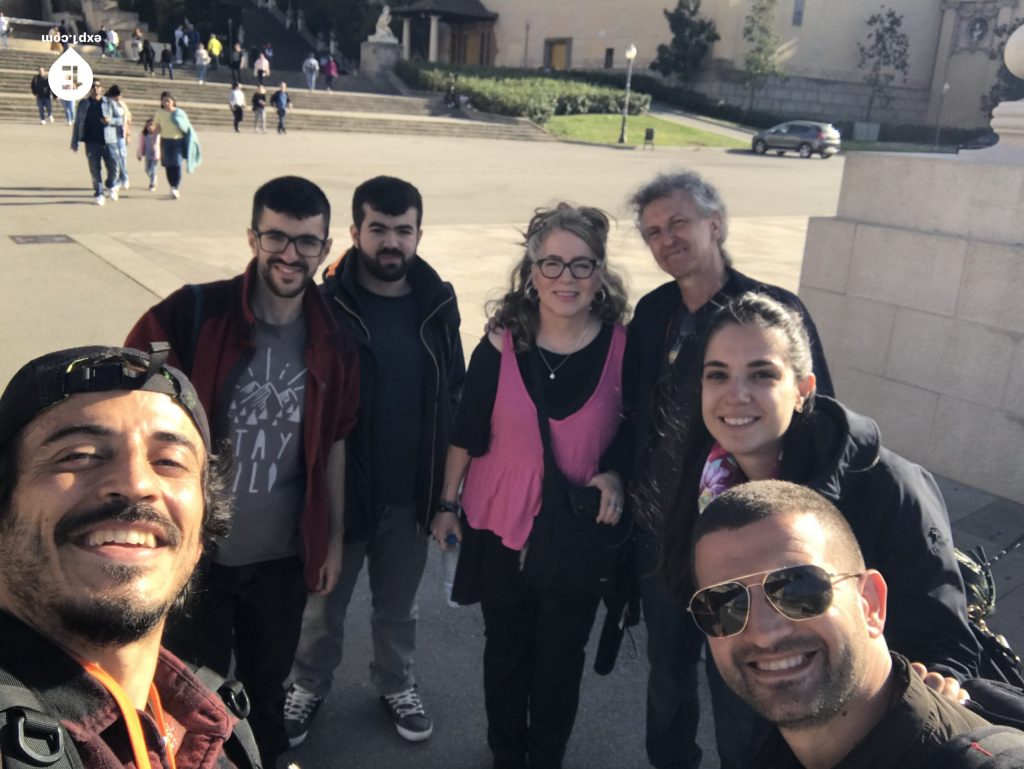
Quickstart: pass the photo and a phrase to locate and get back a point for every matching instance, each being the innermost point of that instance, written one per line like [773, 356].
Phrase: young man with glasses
[281, 383]
[405, 321]
[682, 219]
[795, 623]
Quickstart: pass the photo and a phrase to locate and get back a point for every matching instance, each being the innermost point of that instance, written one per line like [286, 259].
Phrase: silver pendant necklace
[551, 371]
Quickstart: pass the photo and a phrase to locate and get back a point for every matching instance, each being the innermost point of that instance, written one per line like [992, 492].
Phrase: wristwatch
[448, 506]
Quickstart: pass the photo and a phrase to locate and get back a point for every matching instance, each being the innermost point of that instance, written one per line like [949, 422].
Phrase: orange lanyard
[131, 716]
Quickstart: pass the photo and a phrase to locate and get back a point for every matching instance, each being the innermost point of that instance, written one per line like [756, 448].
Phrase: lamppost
[630, 55]
[938, 114]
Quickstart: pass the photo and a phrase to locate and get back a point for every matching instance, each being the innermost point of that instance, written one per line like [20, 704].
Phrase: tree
[692, 38]
[885, 56]
[761, 62]
[1008, 87]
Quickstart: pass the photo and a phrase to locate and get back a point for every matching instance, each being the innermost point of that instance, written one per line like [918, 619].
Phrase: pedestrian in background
[215, 48]
[44, 96]
[261, 68]
[330, 72]
[236, 101]
[237, 62]
[95, 127]
[259, 110]
[5, 31]
[310, 68]
[202, 62]
[282, 103]
[147, 57]
[124, 134]
[69, 110]
[179, 144]
[166, 62]
[149, 151]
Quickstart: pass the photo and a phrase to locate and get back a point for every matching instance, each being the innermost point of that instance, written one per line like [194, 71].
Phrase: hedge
[522, 93]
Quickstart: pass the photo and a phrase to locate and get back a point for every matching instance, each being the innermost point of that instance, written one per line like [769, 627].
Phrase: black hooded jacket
[439, 321]
[900, 520]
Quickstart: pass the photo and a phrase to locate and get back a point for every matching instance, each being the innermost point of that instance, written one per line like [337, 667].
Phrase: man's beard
[797, 709]
[266, 271]
[101, 620]
[388, 274]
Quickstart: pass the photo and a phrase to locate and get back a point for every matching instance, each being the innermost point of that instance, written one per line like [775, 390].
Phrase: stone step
[21, 109]
[141, 89]
[31, 61]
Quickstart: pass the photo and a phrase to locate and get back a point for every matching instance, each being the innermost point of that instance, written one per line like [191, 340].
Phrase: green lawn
[604, 129]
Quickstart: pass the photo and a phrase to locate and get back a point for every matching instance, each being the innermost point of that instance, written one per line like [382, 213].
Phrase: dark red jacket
[93, 719]
[209, 328]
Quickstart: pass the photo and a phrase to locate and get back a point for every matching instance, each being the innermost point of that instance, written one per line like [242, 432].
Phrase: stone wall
[915, 287]
[817, 99]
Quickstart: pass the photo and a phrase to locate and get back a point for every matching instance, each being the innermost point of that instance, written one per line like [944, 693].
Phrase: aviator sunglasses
[796, 592]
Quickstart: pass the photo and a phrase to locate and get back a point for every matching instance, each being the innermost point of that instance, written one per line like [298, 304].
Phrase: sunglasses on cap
[796, 592]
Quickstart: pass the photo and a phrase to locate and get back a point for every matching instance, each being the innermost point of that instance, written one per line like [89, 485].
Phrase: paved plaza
[120, 259]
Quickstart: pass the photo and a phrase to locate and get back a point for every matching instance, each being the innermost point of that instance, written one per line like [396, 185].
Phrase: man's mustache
[390, 252]
[121, 512]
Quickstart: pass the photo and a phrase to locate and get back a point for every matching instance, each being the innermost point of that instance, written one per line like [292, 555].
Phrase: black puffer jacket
[446, 368]
[900, 520]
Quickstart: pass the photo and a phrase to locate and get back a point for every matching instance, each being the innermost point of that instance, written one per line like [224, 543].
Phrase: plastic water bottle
[449, 560]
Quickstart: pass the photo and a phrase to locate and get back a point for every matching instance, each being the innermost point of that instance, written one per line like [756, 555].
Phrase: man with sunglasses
[795, 623]
[683, 220]
[405, 321]
[280, 380]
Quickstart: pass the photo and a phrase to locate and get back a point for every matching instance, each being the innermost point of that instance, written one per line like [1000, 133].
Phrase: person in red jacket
[280, 380]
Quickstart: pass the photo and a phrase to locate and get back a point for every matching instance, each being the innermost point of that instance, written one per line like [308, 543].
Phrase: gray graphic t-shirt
[265, 418]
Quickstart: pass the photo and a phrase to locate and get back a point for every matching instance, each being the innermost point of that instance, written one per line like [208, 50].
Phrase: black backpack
[998, 661]
[30, 738]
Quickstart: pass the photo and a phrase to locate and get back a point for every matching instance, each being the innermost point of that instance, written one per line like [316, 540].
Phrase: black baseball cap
[56, 376]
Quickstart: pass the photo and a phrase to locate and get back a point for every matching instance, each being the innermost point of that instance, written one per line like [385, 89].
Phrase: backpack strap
[30, 738]
[989, 747]
[241, 746]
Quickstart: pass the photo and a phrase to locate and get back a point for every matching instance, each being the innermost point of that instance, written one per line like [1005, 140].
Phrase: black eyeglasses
[275, 242]
[579, 268]
[796, 592]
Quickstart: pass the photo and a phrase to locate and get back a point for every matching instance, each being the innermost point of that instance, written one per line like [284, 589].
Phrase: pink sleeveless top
[502, 491]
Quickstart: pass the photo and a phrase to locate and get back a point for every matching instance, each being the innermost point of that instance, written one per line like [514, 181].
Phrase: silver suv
[801, 136]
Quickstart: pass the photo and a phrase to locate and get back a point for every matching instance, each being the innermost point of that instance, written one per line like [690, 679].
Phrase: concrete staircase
[290, 48]
[206, 105]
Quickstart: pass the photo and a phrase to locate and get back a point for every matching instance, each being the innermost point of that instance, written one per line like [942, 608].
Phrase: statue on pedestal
[383, 33]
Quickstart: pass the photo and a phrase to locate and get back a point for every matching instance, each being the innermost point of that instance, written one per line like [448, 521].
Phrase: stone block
[879, 188]
[827, 252]
[960, 359]
[979, 446]
[991, 287]
[1013, 399]
[855, 332]
[905, 268]
[905, 415]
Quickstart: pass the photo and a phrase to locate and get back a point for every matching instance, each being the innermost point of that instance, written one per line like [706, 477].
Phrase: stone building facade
[950, 43]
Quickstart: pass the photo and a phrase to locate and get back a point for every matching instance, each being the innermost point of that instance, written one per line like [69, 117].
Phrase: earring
[530, 290]
[600, 295]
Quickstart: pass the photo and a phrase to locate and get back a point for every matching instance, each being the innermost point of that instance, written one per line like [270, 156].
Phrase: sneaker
[299, 708]
[406, 710]
[125, 185]
[51, 118]
[100, 200]
[113, 193]
[152, 187]
[42, 122]
[174, 193]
